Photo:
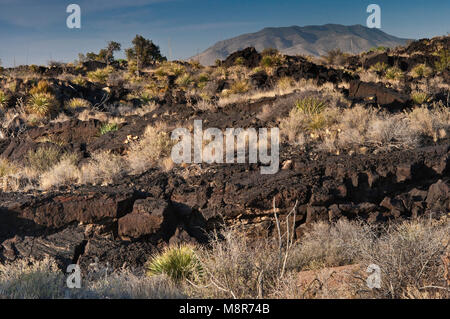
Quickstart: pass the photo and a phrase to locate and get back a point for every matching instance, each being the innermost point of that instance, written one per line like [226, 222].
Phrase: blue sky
[35, 31]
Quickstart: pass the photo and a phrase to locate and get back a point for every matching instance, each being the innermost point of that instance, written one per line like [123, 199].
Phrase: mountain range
[309, 40]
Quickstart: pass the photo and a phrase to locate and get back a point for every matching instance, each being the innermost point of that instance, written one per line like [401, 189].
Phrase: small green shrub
[379, 67]
[42, 87]
[394, 73]
[420, 97]
[421, 70]
[239, 61]
[178, 263]
[239, 87]
[109, 127]
[444, 60]
[100, 75]
[184, 80]
[3, 100]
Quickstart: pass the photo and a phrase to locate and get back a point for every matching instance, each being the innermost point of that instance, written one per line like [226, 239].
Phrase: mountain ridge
[315, 40]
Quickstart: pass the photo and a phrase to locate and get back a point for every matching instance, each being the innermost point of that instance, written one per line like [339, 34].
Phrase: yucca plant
[379, 67]
[100, 75]
[79, 80]
[178, 263]
[109, 127]
[239, 87]
[421, 70]
[42, 87]
[3, 100]
[394, 73]
[444, 60]
[420, 97]
[311, 106]
[184, 80]
[42, 104]
[76, 103]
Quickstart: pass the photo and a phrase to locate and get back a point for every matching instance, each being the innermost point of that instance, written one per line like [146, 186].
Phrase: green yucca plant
[100, 75]
[394, 73]
[3, 100]
[420, 97]
[421, 70]
[310, 106]
[109, 127]
[178, 263]
[379, 67]
[42, 104]
[444, 60]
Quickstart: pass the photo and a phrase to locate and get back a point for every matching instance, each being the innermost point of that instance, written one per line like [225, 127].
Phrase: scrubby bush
[239, 87]
[421, 70]
[152, 147]
[3, 100]
[42, 87]
[444, 60]
[100, 75]
[420, 97]
[43, 158]
[77, 103]
[379, 67]
[394, 73]
[178, 263]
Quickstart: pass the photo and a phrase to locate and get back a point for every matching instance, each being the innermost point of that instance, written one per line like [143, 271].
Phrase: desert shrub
[421, 70]
[104, 167]
[335, 57]
[235, 267]
[153, 146]
[178, 263]
[379, 67]
[184, 80]
[79, 80]
[444, 60]
[239, 61]
[394, 73]
[64, 173]
[3, 100]
[42, 104]
[77, 103]
[32, 279]
[126, 285]
[100, 75]
[43, 158]
[108, 127]
[285, 83]
[434, 122]
[330, 245]
[409, 256]
[387, 132]
[42, 87]
[420, 97]
[270, 61]
[170, 68]
[239, 87]
[7, 168]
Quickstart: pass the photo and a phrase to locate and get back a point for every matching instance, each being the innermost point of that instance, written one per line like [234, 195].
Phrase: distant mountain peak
[312, 40]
